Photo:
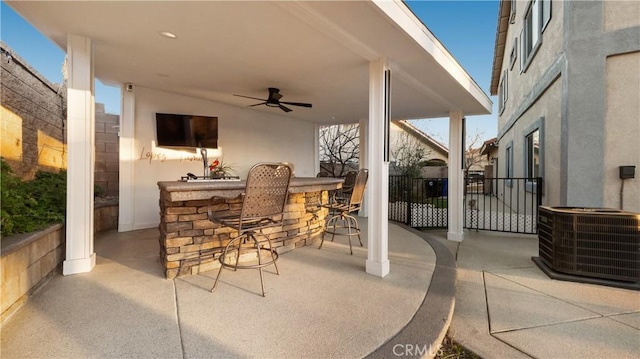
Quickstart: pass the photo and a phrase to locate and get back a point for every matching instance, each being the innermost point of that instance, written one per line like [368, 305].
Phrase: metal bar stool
[263, 203]
[342, 212]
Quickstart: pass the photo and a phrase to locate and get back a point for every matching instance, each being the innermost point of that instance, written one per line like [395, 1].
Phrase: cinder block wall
[32, 117]
[107, 149]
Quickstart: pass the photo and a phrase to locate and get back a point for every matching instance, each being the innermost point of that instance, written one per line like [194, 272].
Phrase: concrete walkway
[506, 307]
[323, 305]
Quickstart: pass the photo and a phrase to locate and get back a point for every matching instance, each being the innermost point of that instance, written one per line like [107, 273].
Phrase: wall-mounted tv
[175, 130]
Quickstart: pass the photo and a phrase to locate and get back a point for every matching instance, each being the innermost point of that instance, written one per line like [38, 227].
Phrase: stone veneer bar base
[190, 243]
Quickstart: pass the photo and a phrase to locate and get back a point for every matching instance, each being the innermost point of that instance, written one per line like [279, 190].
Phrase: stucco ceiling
[316, 52]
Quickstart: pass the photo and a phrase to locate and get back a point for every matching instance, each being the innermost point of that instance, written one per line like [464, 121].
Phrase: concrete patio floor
[322, 305]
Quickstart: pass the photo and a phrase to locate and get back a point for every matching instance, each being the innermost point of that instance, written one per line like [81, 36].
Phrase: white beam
[378, 185]
[363, 136]
[127, 158]
[456, 178]
[80, 257]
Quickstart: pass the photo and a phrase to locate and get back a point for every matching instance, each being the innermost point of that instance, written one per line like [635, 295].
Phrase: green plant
[98, 191]
[31, 205]
[220, 168]
[450, 349]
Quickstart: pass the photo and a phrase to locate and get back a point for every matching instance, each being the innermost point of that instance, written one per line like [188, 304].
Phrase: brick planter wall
[27, 261]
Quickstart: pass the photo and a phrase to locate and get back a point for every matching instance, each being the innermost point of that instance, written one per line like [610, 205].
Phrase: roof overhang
[317, 52]
[504, 13]
[489, 145]
[422, 137]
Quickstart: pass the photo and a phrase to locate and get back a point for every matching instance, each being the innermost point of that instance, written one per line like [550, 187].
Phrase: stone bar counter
[190, 243]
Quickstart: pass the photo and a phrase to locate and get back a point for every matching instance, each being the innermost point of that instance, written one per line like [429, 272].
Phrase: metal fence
[502, 204]
[496, 204]
[418, 202]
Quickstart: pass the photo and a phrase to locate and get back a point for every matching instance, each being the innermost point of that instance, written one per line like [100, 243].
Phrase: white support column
[80, 257]
[127, 158]
[363, 131]
[456, 178]
[378, 184]
[316, 148]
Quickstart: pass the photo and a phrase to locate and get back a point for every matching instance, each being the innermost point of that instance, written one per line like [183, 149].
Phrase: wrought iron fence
[502, 204]
[496, 204]
[418, 202]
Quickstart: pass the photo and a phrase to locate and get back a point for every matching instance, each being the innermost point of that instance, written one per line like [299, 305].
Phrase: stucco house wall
[246, 137]
[580, 88]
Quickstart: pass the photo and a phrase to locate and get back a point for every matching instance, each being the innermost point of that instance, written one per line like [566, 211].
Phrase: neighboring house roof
[489, 145]
[504, 12]
[422, 137]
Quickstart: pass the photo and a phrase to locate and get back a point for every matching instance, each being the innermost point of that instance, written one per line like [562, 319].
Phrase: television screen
[175, 130]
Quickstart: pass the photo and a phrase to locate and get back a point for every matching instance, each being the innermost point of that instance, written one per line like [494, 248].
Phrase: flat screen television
[173, 130]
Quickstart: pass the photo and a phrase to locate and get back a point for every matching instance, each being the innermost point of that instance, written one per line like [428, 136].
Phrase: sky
[466, 29]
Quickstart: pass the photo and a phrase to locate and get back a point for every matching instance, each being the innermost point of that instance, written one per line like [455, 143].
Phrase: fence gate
[418, 202]
[502, 204]
[496, 204]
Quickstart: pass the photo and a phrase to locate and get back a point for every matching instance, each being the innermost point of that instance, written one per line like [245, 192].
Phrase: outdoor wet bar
[190, 243]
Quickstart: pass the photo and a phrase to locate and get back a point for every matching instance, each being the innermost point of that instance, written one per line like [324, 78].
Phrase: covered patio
[363, 62]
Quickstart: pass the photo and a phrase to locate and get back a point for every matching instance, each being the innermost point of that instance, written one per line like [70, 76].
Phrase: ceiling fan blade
[302, 104]
[254, 98]
[285, 108]
[258, 104]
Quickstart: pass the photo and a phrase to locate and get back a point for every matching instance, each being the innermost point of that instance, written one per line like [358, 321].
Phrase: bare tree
[409, 154]
[472, 154]
[339, 149]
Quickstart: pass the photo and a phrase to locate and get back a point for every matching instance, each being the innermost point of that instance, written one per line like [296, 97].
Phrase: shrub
[31, 205]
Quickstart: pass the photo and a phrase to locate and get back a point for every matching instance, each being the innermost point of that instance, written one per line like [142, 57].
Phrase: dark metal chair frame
[342, 210]
[263, 204]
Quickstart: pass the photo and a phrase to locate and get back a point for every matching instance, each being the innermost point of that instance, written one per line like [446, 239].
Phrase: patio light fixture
[168, 34]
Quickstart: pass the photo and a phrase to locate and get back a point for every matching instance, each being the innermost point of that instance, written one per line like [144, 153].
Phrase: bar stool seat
[342, 223]
[263, 203]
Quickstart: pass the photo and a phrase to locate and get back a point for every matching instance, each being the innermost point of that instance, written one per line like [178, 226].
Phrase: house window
[514, 53]
[532, 142]
[512, 16]
[533, 137]
[546, 13]
[530, 35]
[502, 92]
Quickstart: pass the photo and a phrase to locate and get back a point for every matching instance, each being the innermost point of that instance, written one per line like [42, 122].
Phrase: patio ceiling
[317, 52]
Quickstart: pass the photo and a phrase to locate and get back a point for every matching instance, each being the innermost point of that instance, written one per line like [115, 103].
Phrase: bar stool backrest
[358, 188]
[350, 179]
[266, 191]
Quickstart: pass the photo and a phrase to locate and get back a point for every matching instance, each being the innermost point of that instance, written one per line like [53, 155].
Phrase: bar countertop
[175, 191]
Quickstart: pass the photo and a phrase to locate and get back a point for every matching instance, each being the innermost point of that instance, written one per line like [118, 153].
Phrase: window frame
[508, 164]
[531, 28]
[513, 57]
[503, 88]
[545, 5]
[538, 125]
[532, 169]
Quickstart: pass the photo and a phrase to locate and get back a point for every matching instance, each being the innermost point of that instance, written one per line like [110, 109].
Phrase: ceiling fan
[274, 100]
